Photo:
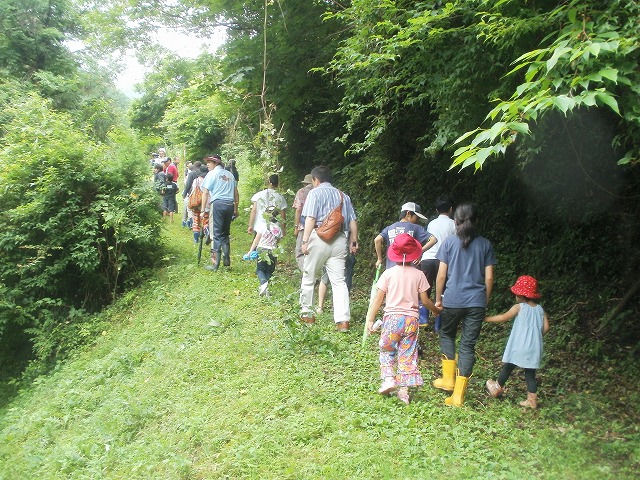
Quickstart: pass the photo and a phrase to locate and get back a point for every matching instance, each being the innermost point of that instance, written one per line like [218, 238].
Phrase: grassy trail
[200, 378]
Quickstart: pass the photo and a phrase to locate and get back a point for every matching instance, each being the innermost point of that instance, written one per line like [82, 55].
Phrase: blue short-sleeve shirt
[465, 285]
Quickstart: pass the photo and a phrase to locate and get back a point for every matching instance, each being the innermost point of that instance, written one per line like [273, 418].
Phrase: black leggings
[529, 376]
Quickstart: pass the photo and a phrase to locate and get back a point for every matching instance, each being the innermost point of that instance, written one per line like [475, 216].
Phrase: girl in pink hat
[403, 284]
[524, 347]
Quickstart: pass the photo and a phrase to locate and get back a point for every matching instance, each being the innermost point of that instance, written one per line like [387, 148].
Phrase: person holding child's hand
[466, 271]
[524, 347]
[403, 284]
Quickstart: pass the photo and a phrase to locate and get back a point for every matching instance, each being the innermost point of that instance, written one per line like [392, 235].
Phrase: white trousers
[332, 255]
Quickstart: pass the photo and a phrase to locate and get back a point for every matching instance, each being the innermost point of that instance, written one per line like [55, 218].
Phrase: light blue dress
[524, 347]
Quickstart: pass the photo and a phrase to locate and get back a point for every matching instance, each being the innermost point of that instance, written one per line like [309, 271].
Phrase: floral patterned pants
[399, 350]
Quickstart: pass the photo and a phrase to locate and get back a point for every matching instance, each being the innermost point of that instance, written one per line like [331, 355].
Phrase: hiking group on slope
[449, 253]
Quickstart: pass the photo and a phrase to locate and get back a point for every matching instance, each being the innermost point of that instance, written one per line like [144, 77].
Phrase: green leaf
[519, 127]
[564, 103]
[608, 100]
[610, 73]
[458, 159]
[529, 55]
[524, 87]
[557, 54]
[466, 135]
[594, 48]
[589, 99]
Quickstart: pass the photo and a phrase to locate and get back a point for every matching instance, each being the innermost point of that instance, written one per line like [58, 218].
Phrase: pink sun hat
[404, 248]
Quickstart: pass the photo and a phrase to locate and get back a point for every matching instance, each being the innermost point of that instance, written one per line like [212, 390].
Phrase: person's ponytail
[465, 218]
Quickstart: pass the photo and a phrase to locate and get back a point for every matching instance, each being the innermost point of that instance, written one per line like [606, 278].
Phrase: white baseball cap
[413, 207]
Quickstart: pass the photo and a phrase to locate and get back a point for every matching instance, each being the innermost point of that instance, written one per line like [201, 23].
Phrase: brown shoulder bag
[332, 224]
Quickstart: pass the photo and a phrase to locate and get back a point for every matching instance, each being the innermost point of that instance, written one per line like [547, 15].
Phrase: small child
[403, 285]
[169, 202]
[265, 243]
[524, 347]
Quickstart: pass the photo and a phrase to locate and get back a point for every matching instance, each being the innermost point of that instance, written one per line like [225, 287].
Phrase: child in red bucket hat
[524, 347]
[403, 285]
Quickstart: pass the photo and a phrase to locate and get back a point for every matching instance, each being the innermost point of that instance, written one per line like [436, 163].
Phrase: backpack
[195, 199]
[332, 224]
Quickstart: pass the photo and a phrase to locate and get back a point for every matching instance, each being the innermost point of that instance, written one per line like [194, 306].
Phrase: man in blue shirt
[220, 195]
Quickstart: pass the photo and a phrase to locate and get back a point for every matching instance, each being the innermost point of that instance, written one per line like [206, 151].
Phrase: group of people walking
[461, 262]
[449, 254]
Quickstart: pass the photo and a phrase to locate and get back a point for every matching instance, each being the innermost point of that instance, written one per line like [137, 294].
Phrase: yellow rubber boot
[448, 379]
[457, 399]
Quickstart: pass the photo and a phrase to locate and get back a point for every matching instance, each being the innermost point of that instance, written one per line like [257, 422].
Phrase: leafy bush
[76, 218]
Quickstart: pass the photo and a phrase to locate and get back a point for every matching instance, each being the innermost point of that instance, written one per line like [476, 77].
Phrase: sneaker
[403, 395]
[264, 289]
[494, 388]
[388, 386]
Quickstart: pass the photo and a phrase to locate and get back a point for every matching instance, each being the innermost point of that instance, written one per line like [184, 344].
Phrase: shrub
[75, 219]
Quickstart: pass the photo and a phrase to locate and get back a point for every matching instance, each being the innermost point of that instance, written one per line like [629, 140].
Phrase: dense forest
[529, 109]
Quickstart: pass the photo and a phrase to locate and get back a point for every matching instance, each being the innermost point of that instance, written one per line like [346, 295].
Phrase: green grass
[197, 377]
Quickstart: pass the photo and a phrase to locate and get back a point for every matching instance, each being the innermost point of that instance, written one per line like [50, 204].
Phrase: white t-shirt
[270, 237]
[440, 227]
[264, 199]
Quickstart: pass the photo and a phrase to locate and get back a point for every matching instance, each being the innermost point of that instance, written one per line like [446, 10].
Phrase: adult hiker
[162, 157]
[410, 216]
[220, 193]
[191, 174]
[197, 222]
[319, 214]
[298, 203]
[466, 269]
[441, 227]
[267, 199]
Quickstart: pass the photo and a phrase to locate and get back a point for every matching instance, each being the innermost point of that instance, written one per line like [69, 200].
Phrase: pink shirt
[402, 286]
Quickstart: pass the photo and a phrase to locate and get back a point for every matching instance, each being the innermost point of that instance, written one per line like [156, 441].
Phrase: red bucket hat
[526, 286]
[404, 248]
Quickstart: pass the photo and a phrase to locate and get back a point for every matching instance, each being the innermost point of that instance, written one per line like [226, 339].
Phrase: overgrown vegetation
[77, 220]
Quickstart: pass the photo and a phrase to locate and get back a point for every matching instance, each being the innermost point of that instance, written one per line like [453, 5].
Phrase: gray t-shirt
[465, 285]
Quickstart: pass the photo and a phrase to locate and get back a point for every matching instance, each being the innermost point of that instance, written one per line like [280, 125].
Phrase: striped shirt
[324, 198]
